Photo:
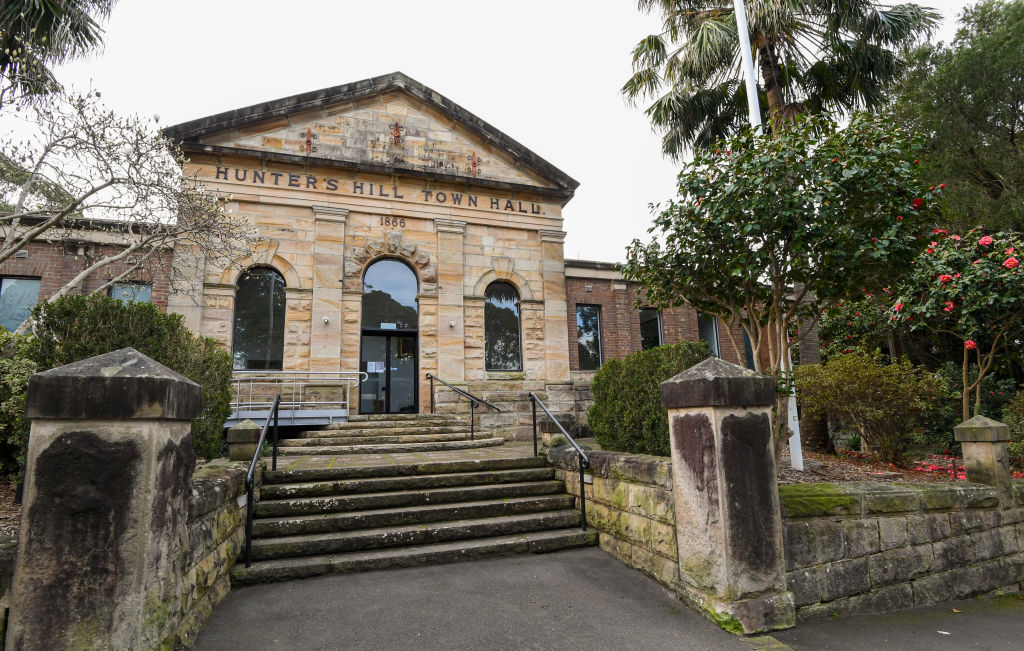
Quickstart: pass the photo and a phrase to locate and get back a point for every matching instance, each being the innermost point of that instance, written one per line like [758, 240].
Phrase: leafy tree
[971, 289]
[812, 55]
[38, 34]
[969, 98]
[829, 212]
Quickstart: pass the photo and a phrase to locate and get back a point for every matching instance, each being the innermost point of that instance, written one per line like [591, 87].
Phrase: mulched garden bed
[853, 466]
[10, 513]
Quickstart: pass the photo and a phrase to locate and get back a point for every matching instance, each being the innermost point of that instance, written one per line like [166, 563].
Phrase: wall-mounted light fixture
[451, 324]
[326, 320]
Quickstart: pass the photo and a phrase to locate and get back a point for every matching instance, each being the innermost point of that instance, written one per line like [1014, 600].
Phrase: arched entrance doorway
[390, 320]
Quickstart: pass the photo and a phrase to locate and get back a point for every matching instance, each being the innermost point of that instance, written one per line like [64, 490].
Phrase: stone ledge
[637, 468]
[801, 501]
[214, 484]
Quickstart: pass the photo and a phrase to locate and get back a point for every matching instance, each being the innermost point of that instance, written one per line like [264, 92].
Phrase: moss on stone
[726, 621]
[813, 500]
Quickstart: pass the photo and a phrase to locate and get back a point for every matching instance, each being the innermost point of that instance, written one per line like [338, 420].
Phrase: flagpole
[796, 457]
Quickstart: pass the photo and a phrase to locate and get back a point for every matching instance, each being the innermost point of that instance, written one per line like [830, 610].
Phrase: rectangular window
[131, 292]
[707, 326]
[588, 336]
[17, 298]
[650, 328]
[748, 350]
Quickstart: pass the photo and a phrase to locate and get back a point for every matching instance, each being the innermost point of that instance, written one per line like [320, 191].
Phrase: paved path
[578, 599]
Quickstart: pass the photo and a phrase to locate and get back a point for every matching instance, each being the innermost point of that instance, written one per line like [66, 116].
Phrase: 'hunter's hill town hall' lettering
[366, 188]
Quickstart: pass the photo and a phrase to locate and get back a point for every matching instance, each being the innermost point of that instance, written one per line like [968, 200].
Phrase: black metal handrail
[582, 459]
[249, 506]
[474, 402]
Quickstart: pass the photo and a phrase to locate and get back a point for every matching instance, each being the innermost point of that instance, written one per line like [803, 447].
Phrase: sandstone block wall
[630, 503]
[869, 547]
[216, 539]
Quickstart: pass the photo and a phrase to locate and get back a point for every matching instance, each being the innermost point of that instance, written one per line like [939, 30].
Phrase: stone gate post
[728, 521]
[986, 460]
[104, 512]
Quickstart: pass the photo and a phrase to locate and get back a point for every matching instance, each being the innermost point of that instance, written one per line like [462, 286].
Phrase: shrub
[627, 415]
[1013, 416]
[17, 364]
[73, 328]
[880, 401]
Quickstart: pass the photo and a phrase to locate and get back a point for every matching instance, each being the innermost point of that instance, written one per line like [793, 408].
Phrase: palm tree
[812, 56]
[37, 34]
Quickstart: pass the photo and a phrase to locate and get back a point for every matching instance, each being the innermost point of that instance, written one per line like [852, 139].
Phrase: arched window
[389, 296]
[502, 347]
[258, 341]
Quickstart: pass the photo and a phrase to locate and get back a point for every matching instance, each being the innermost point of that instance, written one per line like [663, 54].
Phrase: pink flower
[898, 307]
[945, 278]
[1009, 251]
[949, 307]
[933, 244]
[955, 237]
[970, 344]
[942, 186]
[1010, 263]
[985, 241]
[956, 275]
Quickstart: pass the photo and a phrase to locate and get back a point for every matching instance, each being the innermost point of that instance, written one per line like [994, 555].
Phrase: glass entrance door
[390, 365]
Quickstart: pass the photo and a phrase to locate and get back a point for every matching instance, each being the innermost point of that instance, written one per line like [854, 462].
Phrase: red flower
[899, 218]
[874, 239]
[942, 186]
[835, 160]
[929, 250]
[985, 241]
[945, 278]
[917, 203]
[970, 344]
[955, 237]
[956, 275]
[1010, 263]
[933, 244]
[949, 307]
[898, 307]
[931, 187]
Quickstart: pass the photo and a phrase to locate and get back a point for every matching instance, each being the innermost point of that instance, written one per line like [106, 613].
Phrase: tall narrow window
[259, 320]
[502, 345]
[650, 328]
[748, 350]
[707, 326]
[588, 336]
[17, 298]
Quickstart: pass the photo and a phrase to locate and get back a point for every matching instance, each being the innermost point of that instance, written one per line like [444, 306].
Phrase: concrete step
[399, 470]
[394, 517]
[385, 448]
[376, 440]
[447, 552]
[417, 534]
[362, 430]
[334, 504]
[414, 482]
[393, 418]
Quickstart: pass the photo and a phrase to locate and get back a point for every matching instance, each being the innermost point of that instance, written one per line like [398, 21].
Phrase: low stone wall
[630, 504]
[216, 538]
[871, 547]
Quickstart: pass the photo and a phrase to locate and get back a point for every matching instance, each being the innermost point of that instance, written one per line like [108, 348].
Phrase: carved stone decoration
[393, 245]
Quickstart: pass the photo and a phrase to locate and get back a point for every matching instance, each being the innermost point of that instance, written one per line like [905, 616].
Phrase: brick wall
[56, 266]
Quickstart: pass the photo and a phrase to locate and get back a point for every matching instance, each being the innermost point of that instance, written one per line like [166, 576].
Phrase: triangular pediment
[390, 123]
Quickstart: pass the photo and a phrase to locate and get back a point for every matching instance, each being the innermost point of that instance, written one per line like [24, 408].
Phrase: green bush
[1013, 416]
[17, 364]
[627, 415]
[881, 402]
[73, 328]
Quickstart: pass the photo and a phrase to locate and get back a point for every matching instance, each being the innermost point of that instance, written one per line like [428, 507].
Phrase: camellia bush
[882, 402]
[769, 231]
[970, 288]
[76, 327]
[17, 364]
[627, 415]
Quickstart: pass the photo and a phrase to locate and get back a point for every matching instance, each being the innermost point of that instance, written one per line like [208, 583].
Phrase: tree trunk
[772, 88]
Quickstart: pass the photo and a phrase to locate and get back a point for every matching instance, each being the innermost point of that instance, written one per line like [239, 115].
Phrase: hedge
[627, 415]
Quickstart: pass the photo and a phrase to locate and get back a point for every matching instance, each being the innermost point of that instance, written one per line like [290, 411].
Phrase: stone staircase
[381, 434]
[328, 520]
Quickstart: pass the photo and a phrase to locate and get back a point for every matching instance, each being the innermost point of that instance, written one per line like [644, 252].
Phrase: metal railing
[298, 390]
[582, 458]
[474, 401]
[249, 491]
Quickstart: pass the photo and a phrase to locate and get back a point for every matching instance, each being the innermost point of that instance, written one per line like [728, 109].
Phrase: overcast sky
[547, 73]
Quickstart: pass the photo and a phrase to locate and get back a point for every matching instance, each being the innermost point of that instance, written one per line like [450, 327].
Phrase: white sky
[547, 73]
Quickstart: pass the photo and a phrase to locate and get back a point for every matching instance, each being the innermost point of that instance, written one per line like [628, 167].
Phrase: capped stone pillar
[103, 521]
[728, 522]
[985, 458]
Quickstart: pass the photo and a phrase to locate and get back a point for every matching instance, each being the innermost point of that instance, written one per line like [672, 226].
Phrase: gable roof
[189, 134]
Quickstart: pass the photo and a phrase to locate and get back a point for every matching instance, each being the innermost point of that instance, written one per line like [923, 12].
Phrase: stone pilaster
[728, 522]
[107, 490]
[985, 458]
[218, 314]
[451, 357]
[189, 269]
[298, 327]
[556, 334]
[328, 261]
